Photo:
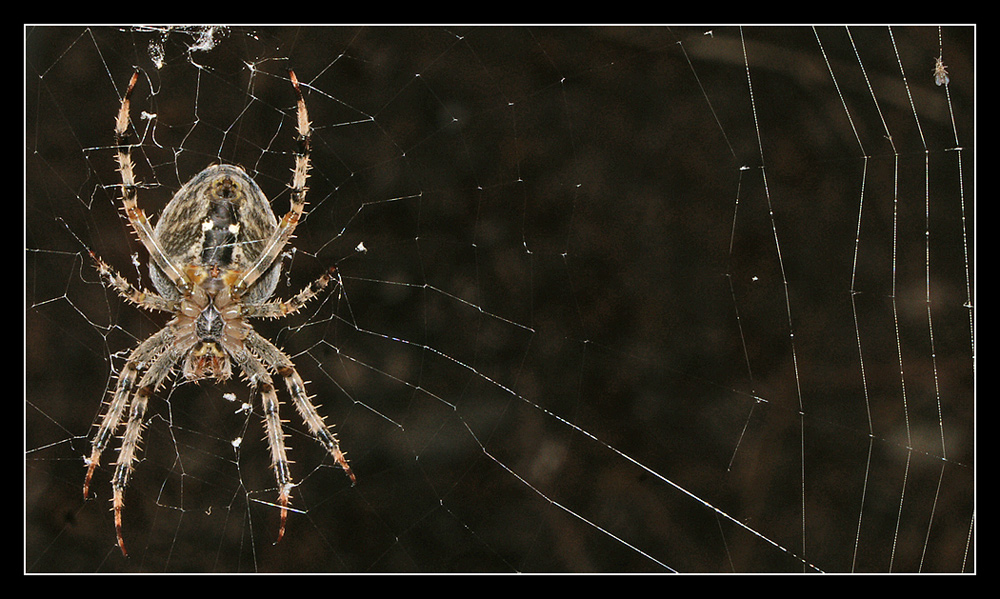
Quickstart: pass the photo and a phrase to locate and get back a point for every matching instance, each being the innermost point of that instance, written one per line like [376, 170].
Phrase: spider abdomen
[219, 220]
[221, 230]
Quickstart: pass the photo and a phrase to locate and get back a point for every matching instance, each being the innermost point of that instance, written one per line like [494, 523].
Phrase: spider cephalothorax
[215, 261]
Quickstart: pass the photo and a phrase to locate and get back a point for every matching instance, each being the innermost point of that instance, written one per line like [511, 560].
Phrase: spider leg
[280, 309]
[140, 297]
[282, 364]
[258, 376]
[126, 456]
[279, 457]
[261, 352]
[136, 216]
[283, 233]
[146, 351]
[158, 372]
[140, 356]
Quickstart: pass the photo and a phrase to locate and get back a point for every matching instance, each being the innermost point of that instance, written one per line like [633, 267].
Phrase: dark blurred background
[571, 298]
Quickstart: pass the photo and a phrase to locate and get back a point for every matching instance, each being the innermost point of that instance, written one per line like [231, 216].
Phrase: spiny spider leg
[300, 173]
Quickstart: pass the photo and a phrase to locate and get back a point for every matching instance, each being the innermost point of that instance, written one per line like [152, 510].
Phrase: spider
[215, 261]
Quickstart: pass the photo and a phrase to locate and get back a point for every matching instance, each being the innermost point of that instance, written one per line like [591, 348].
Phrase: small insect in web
[215, 261]
[940, 72]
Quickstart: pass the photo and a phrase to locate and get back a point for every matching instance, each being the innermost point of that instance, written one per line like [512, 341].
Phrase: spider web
[613, 299]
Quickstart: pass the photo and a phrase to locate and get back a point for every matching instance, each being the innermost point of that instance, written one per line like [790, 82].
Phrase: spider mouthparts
[207, 360]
